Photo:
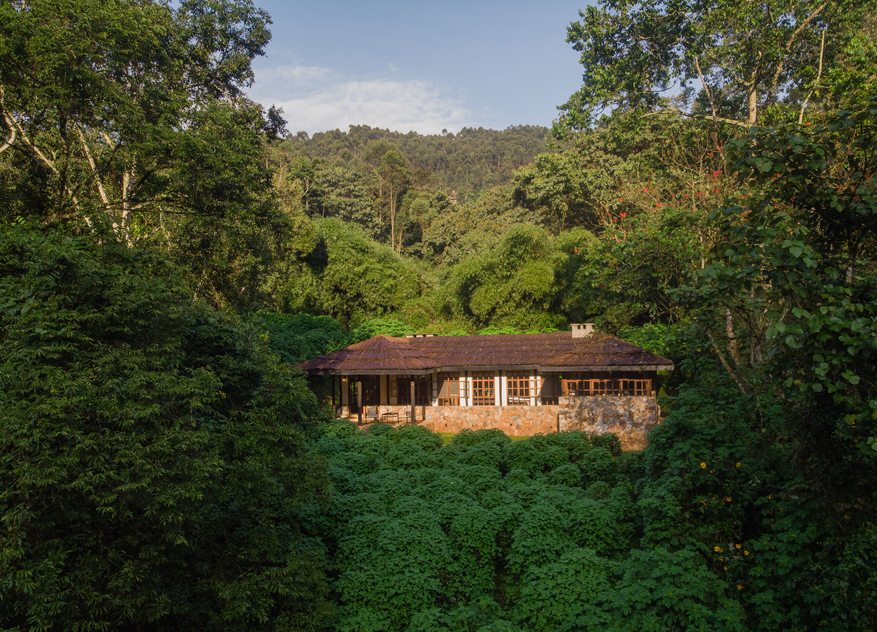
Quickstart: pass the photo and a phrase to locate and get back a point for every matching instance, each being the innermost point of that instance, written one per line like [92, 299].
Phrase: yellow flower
[739, 586]
[745, 552]
[737, 545]
[703, 466]
[738, 464]
[728, 499]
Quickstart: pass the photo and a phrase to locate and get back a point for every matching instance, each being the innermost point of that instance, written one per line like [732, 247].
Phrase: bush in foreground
[152, 459]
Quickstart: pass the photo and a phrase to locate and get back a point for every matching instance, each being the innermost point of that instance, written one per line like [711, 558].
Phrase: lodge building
[521, 384]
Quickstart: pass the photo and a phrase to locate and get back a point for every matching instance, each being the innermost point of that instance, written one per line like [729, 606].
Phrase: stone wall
[513, 420]
[631, 418]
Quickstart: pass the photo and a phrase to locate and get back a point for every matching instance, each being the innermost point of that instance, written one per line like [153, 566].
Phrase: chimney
[582, 330]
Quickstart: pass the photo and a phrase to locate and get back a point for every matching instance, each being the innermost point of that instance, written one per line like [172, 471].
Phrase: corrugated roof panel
[607, 351]
[558, 349]
[381, 353]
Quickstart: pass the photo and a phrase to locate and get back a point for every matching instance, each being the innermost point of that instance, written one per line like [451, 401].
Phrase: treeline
[394, 186]
[467, 162]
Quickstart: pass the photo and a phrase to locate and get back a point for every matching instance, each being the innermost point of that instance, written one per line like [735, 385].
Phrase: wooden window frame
[603, 387]
[445, 381]
[518, 391]
[371, 390]
[483, 388]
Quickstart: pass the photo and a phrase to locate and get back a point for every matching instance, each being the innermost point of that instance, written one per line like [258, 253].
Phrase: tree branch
[815, 83]
[732, 339]
[8, 143]
[801, 27]
[36, 150]
[100, 187]
[709, 94]
[725, 362]
[698, 116]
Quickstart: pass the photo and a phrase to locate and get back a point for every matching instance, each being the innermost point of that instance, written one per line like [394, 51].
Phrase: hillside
[467, 162]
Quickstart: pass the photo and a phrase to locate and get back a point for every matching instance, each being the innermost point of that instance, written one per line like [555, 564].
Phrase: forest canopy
[169, 252]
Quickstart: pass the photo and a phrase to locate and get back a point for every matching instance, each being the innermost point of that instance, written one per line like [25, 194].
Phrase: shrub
[467, 437]
[556, 592]
[663, 590]
[567, 474]
[596, 464]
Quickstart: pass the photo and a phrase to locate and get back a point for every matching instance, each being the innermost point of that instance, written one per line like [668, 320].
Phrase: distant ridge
[467, 162]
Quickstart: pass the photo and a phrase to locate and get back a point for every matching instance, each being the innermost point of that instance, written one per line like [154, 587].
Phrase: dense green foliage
[153, 461]
[341, 273]
[163, 468]
[132, 116]
[466, 162]
[478, 533]
[706, 530]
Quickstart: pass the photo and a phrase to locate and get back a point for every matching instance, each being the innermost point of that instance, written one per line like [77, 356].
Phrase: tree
[486, 157]
[346, 275]
[394, 179]
[275, 124]
[740, 59]
[153, 459]
[517, 282]
[795, 263]
[132, 115]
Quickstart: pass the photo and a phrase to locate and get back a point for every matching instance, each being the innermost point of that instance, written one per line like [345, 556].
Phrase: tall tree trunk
[752, 96]
[392, 218]
[732, 339]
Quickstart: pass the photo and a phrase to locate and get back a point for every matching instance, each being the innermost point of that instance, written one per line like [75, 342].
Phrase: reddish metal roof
[496, 350]
[607, 351]
[381, 354]
[552, 352]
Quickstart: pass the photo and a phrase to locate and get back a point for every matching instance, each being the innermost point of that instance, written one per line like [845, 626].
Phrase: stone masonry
[631, 418]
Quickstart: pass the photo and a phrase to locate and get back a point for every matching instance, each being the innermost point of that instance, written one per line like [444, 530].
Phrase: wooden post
[412, 401]
[359, 401]
[333, 396]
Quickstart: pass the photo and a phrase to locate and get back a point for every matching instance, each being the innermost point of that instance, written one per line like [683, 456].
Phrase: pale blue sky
[418, 66]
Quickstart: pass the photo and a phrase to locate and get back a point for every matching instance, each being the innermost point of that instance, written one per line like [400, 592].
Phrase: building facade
[521, 384]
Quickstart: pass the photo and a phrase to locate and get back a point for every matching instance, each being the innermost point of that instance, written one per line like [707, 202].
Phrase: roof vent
[582, 330]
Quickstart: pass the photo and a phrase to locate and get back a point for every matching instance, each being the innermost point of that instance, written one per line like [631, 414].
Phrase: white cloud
[287, 78]
[318, 99]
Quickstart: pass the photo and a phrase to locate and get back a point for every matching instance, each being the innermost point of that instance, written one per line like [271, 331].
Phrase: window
[371, 390]
[403, 391]
[518, 385]
[452, 389]
[483, 389]
[580, 386]
[548, 389]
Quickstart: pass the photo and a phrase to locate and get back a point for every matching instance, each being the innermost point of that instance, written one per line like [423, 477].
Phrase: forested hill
[467, 162]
